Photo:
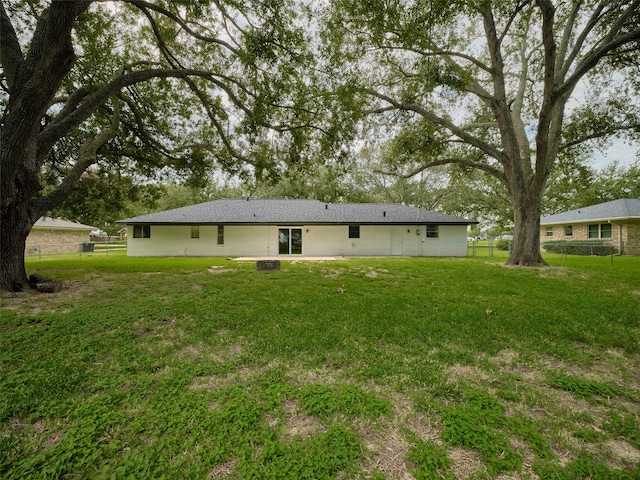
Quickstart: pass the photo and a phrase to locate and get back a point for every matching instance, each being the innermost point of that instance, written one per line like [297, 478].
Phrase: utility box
[87, 247]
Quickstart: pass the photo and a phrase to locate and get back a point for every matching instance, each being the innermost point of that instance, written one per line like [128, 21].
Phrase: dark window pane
[296, 241]
[283, 241]
[142, 231]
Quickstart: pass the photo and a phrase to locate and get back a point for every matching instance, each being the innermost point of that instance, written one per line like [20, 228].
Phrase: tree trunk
[525, 250]
[33, 81]
[14, 228]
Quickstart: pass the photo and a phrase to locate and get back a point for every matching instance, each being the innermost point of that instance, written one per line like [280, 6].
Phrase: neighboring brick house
[615, 223]
[52, 235]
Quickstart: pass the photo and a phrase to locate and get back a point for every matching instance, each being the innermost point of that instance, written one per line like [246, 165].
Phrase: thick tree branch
[86, 157]
[466, 162]
[11, 56]
[517, 167]
[612, 41]
[566, 37]
[467, 138]
[550, 105]
[61, 126]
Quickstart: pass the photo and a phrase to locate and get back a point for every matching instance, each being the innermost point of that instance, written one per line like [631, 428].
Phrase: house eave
[591, 220]
[296, 223]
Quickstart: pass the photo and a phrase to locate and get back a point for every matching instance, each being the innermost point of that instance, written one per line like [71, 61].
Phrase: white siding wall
[384, 240]
[317, 240]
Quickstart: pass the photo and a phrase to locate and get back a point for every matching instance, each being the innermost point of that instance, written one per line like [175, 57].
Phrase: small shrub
[584, 247]
[504, 245]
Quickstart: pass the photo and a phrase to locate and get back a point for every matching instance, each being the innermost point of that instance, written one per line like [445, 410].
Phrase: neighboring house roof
[48, 223]
[622, 209]
[287, 212]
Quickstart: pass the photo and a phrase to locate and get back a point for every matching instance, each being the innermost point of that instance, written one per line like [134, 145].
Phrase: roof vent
[326, 207]
[384, 214]
[247, 199]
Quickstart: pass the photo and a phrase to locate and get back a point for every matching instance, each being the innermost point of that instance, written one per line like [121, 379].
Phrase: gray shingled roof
[288, 212]
[59, 224]
[623, 209]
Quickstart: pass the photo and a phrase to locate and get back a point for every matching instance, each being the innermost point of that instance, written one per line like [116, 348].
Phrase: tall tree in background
[142, 87]
[506, 87]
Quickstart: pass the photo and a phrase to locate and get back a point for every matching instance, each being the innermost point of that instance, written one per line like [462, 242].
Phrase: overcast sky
[621, 151]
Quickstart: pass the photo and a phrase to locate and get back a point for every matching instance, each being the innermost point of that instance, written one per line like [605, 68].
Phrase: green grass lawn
[360, 368]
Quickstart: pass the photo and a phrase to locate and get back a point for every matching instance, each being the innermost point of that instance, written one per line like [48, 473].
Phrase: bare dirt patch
[388, 450]
[219, 354]
[224, 470]
[465, 463]
[504, 357]
[216, 270]
[458, 372]
[334, 273]
[623, 450]
[298, 423]
[33, 302]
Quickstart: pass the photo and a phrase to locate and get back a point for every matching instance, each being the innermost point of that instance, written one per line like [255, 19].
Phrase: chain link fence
[566, 249]
[82, 248]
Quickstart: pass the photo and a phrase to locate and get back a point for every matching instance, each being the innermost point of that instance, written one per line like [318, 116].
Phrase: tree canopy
[146, 89]
[508, 88]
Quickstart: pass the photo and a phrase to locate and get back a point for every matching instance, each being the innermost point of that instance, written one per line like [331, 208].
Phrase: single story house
[53, 235]
[615, 223]
[268, 228]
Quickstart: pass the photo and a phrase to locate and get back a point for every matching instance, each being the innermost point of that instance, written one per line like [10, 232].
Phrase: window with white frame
[602, 230]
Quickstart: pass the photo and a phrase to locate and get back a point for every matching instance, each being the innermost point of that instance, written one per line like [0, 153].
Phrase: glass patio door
[290, 241]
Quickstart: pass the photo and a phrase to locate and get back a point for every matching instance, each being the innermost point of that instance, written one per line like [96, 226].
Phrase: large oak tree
[507, 87]
[140, 87]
